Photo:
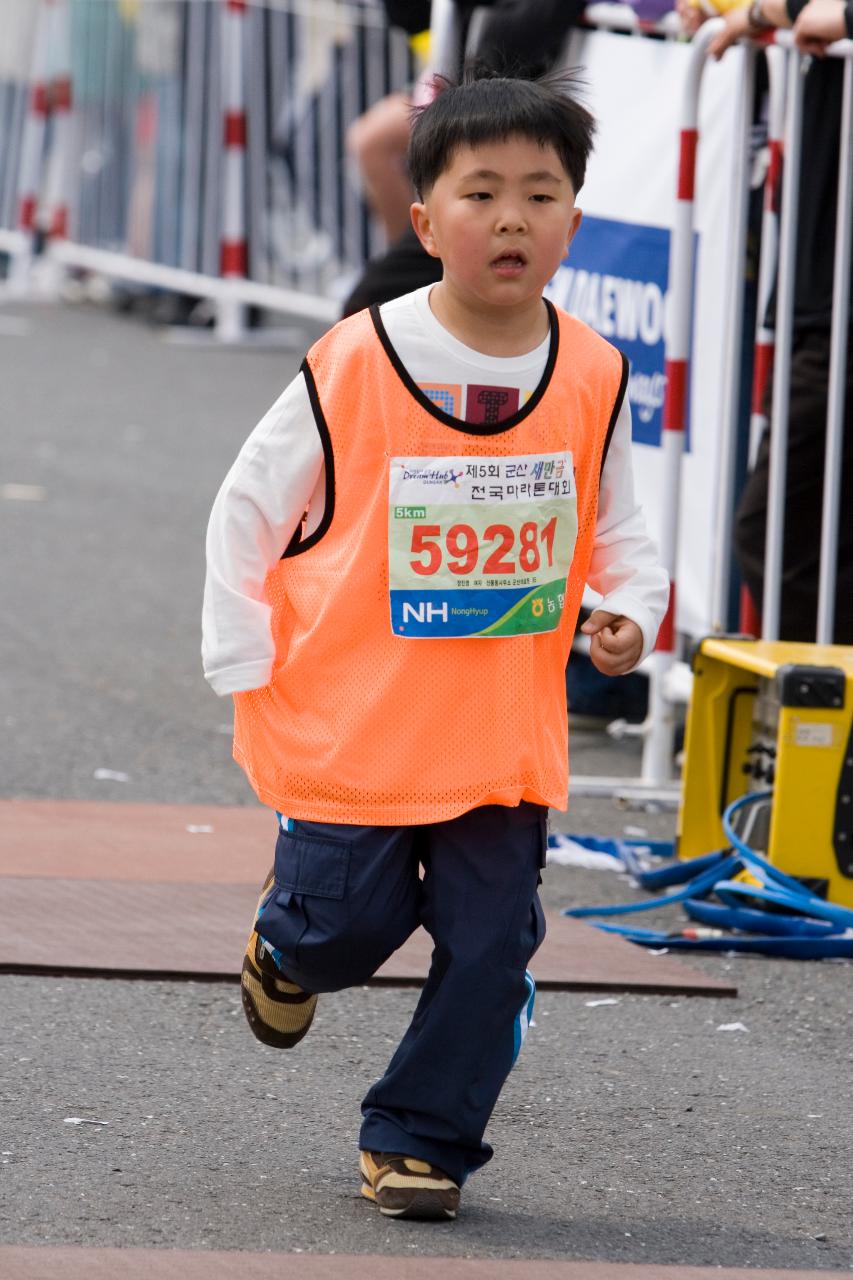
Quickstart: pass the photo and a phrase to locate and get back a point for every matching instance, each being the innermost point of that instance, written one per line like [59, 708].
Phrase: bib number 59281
[506, 553]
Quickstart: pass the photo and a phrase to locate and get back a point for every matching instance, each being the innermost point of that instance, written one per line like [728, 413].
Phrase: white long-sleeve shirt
[280, 473]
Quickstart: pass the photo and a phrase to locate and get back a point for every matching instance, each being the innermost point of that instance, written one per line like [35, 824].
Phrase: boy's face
[500, 217]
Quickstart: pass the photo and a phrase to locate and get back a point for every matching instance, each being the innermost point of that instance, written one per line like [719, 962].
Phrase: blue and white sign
[615, 280]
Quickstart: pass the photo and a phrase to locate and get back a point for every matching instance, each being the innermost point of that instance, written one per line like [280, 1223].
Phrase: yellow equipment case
[769, 715]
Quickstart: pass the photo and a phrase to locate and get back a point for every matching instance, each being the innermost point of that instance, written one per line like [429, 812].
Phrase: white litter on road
[568, 853]
[594, 1004]
[732, 1026]
[82, 1120]
[111, 775]
[23, 492]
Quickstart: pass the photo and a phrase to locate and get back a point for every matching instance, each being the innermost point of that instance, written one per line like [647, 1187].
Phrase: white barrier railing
[659, 728]
[193, 145]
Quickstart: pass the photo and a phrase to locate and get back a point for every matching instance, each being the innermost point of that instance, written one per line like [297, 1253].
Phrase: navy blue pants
[346, 897]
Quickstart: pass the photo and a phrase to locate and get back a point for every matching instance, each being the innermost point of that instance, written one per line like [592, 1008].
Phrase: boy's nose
[511, 221]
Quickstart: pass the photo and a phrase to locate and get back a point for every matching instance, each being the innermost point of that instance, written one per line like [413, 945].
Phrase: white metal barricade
[193, 145]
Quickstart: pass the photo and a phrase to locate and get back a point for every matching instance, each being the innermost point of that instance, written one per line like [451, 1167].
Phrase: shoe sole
[279, 1013]
[277, 1018]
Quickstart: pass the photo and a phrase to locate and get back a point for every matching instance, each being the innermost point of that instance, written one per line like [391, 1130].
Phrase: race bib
[480, 546]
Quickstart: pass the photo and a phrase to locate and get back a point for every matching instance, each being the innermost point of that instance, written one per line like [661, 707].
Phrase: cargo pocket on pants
[527, 923]
[308, 916]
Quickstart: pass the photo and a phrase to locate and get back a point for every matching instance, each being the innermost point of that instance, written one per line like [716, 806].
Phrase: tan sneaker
[403, 1187]
[277, 1010]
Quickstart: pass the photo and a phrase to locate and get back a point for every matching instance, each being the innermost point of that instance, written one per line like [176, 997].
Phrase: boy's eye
[542, 198]
[479, 195]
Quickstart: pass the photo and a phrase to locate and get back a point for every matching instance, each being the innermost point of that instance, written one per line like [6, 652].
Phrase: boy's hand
[616, 643]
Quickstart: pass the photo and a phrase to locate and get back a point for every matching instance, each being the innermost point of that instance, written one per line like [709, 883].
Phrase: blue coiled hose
[801, 924]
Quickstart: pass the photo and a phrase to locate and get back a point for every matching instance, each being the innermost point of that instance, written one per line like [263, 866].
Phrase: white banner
[615, 277]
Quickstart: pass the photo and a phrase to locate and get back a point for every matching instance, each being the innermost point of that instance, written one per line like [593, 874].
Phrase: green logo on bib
[410, 513]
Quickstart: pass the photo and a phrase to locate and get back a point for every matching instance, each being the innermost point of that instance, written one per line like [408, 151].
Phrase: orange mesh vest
[360, 725]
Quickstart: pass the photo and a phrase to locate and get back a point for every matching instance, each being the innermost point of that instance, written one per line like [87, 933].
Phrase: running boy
[395, 566]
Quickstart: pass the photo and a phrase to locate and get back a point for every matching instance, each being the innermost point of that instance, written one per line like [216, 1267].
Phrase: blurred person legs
[803, 499]
[813, 307]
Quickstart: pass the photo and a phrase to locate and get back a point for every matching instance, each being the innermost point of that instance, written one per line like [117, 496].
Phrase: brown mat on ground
[163, 1264]
[127, 889]
[162, 842]
[200, 930]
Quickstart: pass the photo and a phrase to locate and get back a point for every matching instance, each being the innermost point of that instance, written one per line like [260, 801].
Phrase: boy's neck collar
[434, 410]
[489, 331]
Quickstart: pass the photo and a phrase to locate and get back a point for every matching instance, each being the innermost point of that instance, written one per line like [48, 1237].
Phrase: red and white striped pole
[57, 201]
[233, 244]
[58, 175]
[659, 730]
[765, 340]
[35, 127]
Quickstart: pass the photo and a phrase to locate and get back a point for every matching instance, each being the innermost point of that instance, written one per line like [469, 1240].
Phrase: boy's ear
[423, 228]
[577, 218]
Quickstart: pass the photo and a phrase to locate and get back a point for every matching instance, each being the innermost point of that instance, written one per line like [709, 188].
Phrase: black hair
[484, 108]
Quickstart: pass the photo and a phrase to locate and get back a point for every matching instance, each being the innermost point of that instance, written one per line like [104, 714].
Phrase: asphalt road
[630, 1131]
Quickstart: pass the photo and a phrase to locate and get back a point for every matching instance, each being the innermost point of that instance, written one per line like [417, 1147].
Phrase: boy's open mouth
[509, 262]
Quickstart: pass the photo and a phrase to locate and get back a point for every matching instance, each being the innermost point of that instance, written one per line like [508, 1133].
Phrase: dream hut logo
[433, 475]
